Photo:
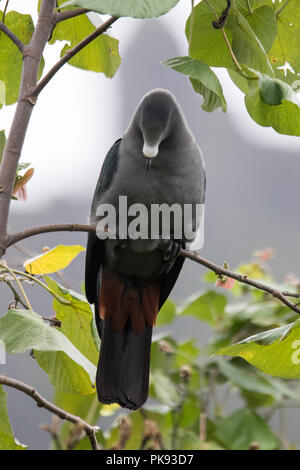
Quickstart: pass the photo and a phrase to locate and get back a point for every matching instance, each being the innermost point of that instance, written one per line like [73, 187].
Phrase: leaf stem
[249, 7]
[4, 11]
[236, 62]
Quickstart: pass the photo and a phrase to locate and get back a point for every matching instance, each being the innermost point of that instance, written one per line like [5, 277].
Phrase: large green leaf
[247, 380]
[7, 439]
[263, 23]
[204, 81]
[67, 367]
[10, 56]
[206, 43]
[284, 117]
[243, 428]
[285, 49]
[247, 37]
[275, 352]
[133, 8]
[101, 55]
[76, 319]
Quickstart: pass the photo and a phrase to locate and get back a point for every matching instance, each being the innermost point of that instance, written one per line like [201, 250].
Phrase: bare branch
[67, 14]
[70, 53]
[16, 237]
[89, 430]
[12, 36]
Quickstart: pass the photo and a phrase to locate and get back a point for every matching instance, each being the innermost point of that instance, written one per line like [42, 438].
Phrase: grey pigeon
[156, 162]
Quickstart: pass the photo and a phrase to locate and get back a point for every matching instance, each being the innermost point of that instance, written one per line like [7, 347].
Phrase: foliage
[189, 384]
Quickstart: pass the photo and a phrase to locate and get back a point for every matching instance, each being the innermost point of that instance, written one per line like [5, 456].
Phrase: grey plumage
[158, 133]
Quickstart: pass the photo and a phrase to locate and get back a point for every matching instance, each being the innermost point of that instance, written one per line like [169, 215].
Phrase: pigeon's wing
[95, 246]
[168, 280]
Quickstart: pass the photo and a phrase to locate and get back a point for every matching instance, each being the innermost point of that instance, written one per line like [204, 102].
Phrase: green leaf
[206, 43]
[245, 44]
[7, 438]
[21, 330]
[263, 24]
[166, 314]
[10, 56]
[204, 81]
[286, 46]
[247, 41]
[76, 319]
[208, 307]
[101, 55]
[186, 353]
[275, 352]
[247, 380]
[133, 8]
[284, 117]
[164, 389]
[244, 427]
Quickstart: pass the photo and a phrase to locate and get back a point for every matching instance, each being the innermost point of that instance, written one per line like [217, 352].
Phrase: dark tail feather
[125, 317]
[123, 369]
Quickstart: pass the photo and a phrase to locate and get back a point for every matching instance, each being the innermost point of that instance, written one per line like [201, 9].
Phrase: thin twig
[15, 293]
[12, 36]
[241, 278]
[35, 279]
[69, 54]
[89, 430]
[11, 272]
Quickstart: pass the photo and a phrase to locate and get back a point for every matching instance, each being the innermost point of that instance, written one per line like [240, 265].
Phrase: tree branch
[243, 279]
[280, 295]
[69, 54]
[67, 14]
[32, 54]
[12, 36]
[89, 430]
[16, 237]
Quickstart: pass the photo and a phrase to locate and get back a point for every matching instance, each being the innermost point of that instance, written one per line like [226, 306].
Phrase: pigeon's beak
[149, 151]
[148, 163]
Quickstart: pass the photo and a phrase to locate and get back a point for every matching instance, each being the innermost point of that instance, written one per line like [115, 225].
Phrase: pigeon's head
[156, 114]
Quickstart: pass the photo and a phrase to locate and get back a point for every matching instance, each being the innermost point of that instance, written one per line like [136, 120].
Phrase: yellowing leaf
[53, 260]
